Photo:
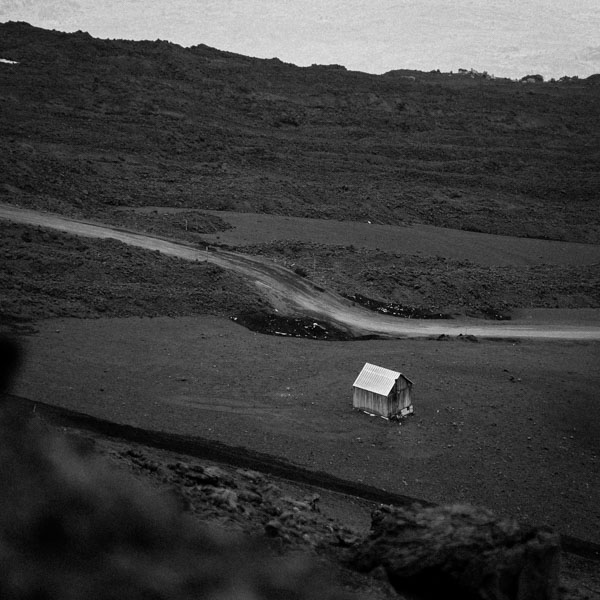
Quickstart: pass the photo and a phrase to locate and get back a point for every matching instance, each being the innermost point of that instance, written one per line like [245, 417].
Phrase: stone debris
[245, 501]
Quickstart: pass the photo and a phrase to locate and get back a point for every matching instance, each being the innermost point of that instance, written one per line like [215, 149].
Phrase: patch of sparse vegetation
[434, 285]
[52, 274]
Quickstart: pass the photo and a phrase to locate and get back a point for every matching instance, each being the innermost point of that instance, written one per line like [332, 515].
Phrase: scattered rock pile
[249, 502]
[304, 327]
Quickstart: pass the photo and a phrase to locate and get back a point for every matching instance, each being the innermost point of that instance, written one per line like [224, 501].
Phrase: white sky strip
[504, 37]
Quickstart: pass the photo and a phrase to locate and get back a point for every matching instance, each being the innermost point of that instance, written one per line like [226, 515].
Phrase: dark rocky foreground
[72, 526]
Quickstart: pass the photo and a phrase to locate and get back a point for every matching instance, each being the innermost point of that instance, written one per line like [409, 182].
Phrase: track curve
[292, 295]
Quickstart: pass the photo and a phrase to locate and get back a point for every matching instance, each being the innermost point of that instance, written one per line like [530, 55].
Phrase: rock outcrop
[460, 552]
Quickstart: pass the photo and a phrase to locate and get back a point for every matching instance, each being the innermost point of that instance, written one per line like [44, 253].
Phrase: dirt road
[291, 294]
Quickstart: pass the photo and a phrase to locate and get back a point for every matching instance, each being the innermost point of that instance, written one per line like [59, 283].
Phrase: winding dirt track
[292, 295]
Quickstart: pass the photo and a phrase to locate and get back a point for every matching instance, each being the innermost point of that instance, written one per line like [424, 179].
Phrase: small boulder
[223, 497]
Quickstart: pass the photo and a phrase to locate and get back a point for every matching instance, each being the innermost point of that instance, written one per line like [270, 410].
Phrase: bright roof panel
[376, 379]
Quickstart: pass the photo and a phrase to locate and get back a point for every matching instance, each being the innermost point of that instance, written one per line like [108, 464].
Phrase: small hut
[383, 392]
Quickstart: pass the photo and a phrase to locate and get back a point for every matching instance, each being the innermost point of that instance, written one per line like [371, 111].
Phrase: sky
[507, 38]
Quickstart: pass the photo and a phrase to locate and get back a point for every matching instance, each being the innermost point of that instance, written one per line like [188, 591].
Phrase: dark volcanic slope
[87, 124]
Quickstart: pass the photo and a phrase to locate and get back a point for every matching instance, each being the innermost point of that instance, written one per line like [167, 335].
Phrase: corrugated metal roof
[376, 379]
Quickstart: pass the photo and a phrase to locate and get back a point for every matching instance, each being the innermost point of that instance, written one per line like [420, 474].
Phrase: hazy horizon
[505, 38]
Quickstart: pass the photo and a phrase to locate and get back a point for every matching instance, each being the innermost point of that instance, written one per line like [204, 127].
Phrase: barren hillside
[89, 124]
